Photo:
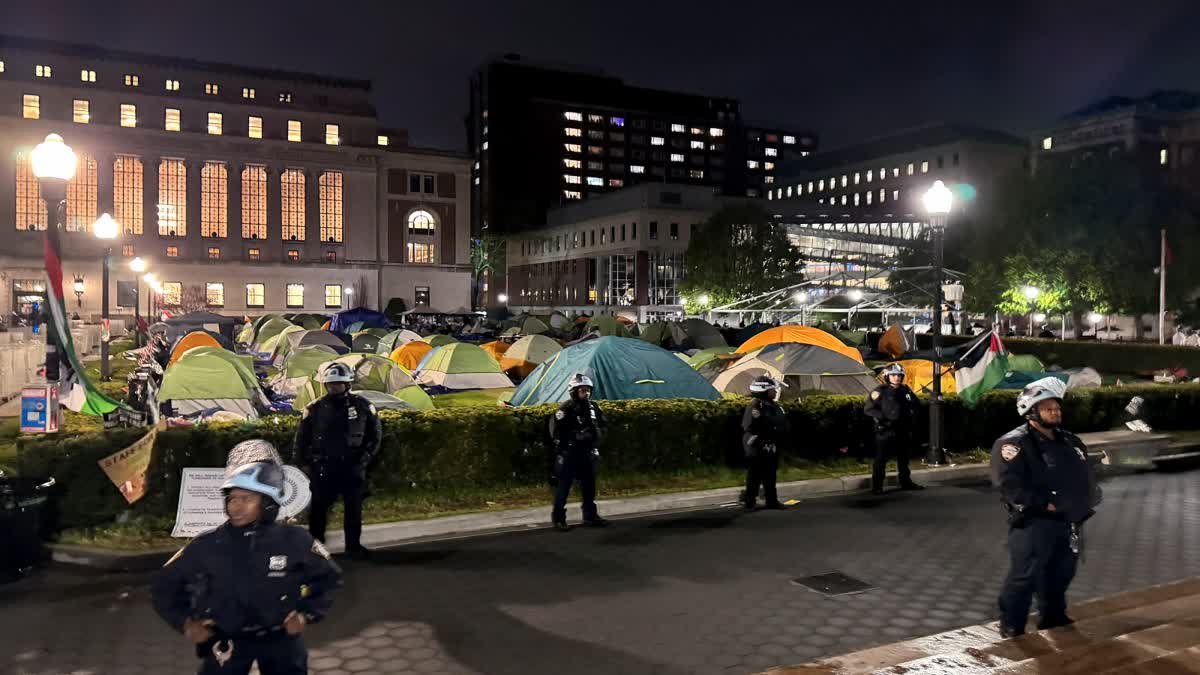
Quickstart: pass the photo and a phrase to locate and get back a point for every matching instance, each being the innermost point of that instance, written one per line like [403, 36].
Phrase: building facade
[619, 253]
[245, 190]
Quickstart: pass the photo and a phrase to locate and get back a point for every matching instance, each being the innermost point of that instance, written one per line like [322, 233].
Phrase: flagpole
[1162, 288]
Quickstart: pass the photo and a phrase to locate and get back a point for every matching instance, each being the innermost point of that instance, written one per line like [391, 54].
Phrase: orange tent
[918, 375]
[325, 326]
[496, 349]
[194, 339]
[409, 356]
[804, 335]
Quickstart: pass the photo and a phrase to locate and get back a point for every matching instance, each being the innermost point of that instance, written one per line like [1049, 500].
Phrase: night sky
[846, 70]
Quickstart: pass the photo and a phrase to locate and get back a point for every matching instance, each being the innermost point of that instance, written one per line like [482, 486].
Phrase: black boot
[776, 506]
[1009, 631]
[911, 486]
[1046, 623]
[358, 552]
[562, 526]
[596, 521]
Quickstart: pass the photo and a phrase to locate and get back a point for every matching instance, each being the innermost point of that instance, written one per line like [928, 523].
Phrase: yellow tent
[194, 339]
[410, 355]
[804, 335]
[918, 375]
[525, 354]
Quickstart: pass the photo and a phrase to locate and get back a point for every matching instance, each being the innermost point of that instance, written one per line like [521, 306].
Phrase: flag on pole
[980, 368]
[77, 392]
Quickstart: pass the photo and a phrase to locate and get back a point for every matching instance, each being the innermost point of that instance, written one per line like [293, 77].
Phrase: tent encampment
[370, 371]
[365, 342]
[559, 321]
[898, 341]
[368, 318]
[461, 366]
[264, 336]
[438, 340]
[1026, 362]
[751, 330]
[409, 356]
[312, 338]
[606, 326]
[705, 355]
[496, 348]
[621, 368]
[804, 335]
[301, 364]
[211, 321]
[383, 401]
[531, 325]
[211, 379]
[196, 338]
[701, 334]
[803, 367]
[279, 346]
[397, 338]
[665, 334]
[526, 353]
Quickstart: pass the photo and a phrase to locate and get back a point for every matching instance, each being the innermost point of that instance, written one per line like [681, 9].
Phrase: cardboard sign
[202, 505]
[296, 492]
[39, 409]
[127, 468]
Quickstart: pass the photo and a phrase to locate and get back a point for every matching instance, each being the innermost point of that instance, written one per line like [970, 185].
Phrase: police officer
[576, 428]
[245, 591]
[894, 408]
[763, 429]
[1049, 489]
[336, 443]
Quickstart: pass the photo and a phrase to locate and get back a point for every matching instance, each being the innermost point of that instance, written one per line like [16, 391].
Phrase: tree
[738, 252]
[487, 256]
[192, 298]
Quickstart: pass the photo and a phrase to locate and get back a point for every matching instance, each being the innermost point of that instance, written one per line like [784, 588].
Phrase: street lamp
[502, 298]
[79, 290]
[1095, 318]
[1031, 294]
[137, 266]
[937, 200]
[105, 229]
[349, 293]
[152, 286]
[54, 166]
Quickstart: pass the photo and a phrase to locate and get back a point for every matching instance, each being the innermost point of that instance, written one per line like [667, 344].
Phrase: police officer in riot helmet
[337, 442]
[893, 407]
[764, 428]
[576, 429]
[244, 592]
[1049, 490]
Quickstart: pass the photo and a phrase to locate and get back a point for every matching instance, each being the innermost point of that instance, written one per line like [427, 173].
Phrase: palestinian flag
[981, 367]
[77, 392]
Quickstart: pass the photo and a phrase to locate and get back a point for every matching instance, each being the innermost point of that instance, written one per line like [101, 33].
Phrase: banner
[202, 505]
[127, 468]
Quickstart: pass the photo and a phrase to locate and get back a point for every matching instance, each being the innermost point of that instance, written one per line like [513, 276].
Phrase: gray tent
[804, 368]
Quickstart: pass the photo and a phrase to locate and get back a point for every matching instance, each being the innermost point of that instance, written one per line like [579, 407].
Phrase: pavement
[704, 591]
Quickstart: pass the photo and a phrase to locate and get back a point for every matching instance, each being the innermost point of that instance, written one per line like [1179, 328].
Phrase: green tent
[264, 338]
[416, 397]
[532, 325]
[462, 366]
[702, 334]
[394, 340]
[280, 345]
[309, 321]
[371, 371]
[665, 334]
[365, 342]
[259, 321]
[705, 355]
[246, 335]
[607, 326]
[621, 368]
[205, 378]
[299, 368]
[1025, 362]
[439, 340]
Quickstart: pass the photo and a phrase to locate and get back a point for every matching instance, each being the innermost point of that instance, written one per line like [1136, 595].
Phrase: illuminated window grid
[330, 186]
[295, 295]
[332, 137]
[81, 196]
[171, 119]
[81, 111]
[172, 198]
[292, 204]
[214, 124]
[214, 294]
[31, 210]
[128, 193]
[172, 293]
[128, 115]
[421, 253]
[255, 295]
[214, 200]
[254, 127]
[31, 106]
[254, 202]
[293, 131]
[333, 295]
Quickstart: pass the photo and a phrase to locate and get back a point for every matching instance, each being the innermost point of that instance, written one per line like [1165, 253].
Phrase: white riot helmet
[893, 369]
[336, 372]
[1042, 390]
[765, 383]
[579, 380]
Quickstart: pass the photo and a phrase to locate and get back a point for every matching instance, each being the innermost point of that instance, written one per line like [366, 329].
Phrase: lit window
[292, 202]
[789, 140]
[1048, 143]
[615, 182]
[770, 152]
[81, 111]
[82, 195]
[843, 200]
[769, 166]
[572, 179]
[331, 135]
[214, 124]
[845, 180]
[172, 293]
[716, 131]
[572, 147]
[172, 198]
[882, 195]
[285, 97]
[484, 146]
[572, 194]
[895, 195]
[381, 140]
[870, 175]
[1, 66]
[214, 199]
[821, 185]
[572, 163]
[172, 85]
[421, 223]
[214, 293]
[657, 140]
[1162, 157]
[214, 253]
[857, 177]
[254, 127]
[810, 187]
[31, 108]
[127, 251]
[768, 179]
[697, 145]
[31, 210]
[617, 121]
[676, 157]
[595, 119]
[637, 168]
[911, 168]
[678, 128]
[172, 251]
[924, 167]
[295, 295]
[128, 200]
[573, 132]
[856, 199]
[254, 254]
[254, 202]
[42, 71]
[895, 172]
[132, 81]
[247, 92]
[330, 187]
[293, 255]
[293, 134]
[595, 181]
[333, 296]
[789, 190]
[211, 89]
[128, 115]
[421, 253]
[87, 76]
[696, 173]
[255, 293]
[573, 116]
[171, 122]
[870, 195]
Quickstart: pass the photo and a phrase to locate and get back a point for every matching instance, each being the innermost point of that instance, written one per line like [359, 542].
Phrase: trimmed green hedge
[492, 446]
[1108, 357]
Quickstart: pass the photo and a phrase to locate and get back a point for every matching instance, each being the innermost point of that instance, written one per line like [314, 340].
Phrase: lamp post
[938, 200]
[54, 166]
[1031, 294]
[137, 266]
[79, 291]
[105, 229]
[151, 297]
[349, 293]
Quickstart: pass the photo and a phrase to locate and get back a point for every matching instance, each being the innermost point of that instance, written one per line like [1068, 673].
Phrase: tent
[607, 326]
[416, 397]
[367, 317]
[559, 321]
[365, 342]
[702, 334]
[752, 330]
[262, 319]
[438, 340]
[1027, 362]
[665, 334]
[496, 349]
[246, 335]
[622, 368]
[397, 338]
[918, 375]
[279, 346]
[371, 371]
[383, 401]
[312, 338]
[210, 379]
[525, 354]
[803, 367]
[264, 336]
[1074, 378]
[898, 341]
[196, 338]
[409, 356]
[462, 366]
[511, 331]
[706, 355]
[531, 325]
[301, 364]
[800, 335]
[218, 323]
[309, 321]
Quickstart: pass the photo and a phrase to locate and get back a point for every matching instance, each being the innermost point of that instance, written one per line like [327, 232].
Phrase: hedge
[486, 446]
[1108, 357]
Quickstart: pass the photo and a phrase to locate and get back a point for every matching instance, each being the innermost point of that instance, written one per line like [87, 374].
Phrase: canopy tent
[368, 318]
[312, 338]
[621, 368]
[665, 334]
[301, 364]
[702, 334]
[365, 342]
[606, 326]
[526, 353]
[409, 356]
[898, 341]
[496, 349]
[918, 375]
[438, 340]
[803, 367]
[211, 378]
[800, 335]
[370, 371]
[397, 338]
[462, 366]
[196, 338]
[706, 355]
[752, 330]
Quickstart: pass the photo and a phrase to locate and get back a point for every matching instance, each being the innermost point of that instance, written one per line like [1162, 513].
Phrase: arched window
[423, 225]
[421, 222]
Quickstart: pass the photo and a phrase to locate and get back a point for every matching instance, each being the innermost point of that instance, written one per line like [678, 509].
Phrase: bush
[485, 446]
[1108, 357]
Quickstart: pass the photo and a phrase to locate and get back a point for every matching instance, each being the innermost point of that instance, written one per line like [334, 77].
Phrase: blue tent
[360, 315]
[621, 368]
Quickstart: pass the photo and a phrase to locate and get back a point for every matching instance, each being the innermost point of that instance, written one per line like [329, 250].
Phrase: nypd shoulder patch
[875, 395]
[558, 414]
[1009, 451]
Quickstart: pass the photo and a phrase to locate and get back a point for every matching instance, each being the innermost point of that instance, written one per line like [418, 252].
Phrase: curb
[107, 560]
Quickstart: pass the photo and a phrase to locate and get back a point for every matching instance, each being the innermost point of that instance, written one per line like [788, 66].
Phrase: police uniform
[1033, 472]
[576, 428]
[243, 582]
[339, 439]
[763, 430]
[894, 410]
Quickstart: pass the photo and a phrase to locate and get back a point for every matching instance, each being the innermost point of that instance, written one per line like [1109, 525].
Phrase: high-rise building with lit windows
[269, 190]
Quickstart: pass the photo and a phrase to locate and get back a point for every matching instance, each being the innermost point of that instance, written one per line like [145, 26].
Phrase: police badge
[1009, 452]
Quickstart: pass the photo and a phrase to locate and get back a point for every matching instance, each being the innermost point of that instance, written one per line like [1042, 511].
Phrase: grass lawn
[119, 369]
[475, 397]
[10, 428]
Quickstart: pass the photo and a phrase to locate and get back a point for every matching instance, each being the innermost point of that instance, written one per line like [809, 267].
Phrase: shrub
[1108, 357]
